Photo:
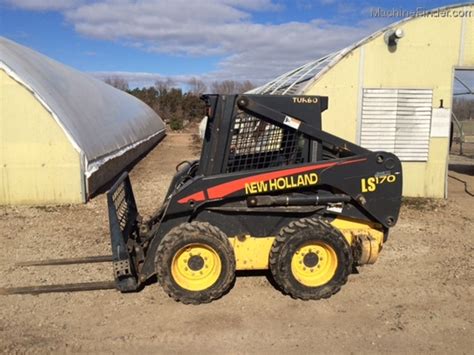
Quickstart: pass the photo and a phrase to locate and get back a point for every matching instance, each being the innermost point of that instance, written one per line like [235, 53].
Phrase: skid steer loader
[271, 190]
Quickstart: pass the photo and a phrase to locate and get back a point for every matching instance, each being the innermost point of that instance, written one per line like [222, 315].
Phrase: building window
[397, 121]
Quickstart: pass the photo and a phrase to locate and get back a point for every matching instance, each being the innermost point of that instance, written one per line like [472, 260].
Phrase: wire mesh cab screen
[257, 144]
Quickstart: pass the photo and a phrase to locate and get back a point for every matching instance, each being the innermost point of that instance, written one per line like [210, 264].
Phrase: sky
[147, 40]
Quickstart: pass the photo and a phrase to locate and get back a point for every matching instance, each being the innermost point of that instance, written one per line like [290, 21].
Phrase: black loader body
[271, 190]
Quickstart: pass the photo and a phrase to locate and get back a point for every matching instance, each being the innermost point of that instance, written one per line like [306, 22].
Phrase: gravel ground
[417, 298]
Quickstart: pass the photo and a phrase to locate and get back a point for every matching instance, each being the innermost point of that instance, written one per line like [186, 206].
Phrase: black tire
[183, 236]
[295, 236]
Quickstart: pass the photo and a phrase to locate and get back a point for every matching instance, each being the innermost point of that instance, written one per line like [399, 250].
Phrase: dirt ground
[417, 298]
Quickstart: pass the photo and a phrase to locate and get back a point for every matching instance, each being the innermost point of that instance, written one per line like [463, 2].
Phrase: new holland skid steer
[271, 190]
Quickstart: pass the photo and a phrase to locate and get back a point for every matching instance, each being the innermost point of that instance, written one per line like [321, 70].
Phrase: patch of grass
[176, 125]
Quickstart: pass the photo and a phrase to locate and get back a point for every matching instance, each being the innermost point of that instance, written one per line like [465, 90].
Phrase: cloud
[257, 5]
[44, 5]
[223, 28]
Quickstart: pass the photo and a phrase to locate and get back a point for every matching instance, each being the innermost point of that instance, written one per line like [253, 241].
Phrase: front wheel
[195, 263]
[310, 259]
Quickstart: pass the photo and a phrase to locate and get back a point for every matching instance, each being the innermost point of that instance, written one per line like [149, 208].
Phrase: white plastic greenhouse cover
[100, 121]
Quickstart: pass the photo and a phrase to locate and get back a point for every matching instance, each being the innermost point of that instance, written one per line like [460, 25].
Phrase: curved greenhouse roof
[99, 120]
[101, 123]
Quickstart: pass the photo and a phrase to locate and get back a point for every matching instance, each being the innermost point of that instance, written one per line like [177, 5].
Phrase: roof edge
[93, 166]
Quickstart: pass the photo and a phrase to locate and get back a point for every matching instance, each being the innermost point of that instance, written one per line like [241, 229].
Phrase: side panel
[251, 253]
[38, 165]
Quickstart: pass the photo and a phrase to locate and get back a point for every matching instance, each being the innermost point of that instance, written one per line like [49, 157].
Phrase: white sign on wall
[440, 122]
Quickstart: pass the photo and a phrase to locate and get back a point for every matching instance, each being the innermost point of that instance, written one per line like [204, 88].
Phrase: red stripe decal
[352, 161]
[198, 196]
[228, 188]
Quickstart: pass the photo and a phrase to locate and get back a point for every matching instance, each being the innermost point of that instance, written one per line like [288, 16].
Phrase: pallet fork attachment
[124, 221]
[71, 287]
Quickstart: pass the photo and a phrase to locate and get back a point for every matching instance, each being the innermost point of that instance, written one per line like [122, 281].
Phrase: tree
[228, 87]
[463, 108]
[164, 86]
[117, 82]
[197, 87]
[175, 107]
[193, 106]
[149, 96]
[245, 86]
[225, 87]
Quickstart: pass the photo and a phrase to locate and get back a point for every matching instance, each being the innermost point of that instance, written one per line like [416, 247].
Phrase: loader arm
[252, 106]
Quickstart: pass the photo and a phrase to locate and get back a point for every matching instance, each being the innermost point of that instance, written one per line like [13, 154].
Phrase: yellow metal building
[393, 91]
[64, 134]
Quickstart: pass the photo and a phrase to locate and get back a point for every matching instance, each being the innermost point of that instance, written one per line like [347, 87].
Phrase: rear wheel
[310, 259]
[195, 263]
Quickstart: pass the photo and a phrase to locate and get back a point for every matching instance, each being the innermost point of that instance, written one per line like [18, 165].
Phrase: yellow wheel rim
[314, 264]
[196, 267]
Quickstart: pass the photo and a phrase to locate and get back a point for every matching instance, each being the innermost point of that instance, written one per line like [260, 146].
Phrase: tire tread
[318, 227]
[192, 230]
